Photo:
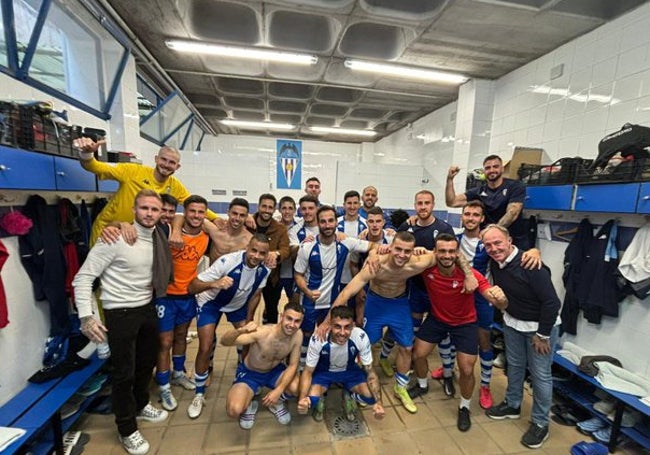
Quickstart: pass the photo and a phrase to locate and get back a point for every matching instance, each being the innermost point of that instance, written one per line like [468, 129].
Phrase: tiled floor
[431, 431]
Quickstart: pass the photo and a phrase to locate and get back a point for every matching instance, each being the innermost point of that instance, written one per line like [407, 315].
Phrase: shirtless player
[387, 302]
[235, 237]
[269, 346]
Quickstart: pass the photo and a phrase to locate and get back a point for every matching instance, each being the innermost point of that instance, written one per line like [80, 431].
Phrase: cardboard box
[520, 156]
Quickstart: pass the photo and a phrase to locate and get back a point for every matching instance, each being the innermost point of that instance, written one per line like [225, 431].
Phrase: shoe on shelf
[152, 414]
[417, 391]
[319, 410]
[503, 411]
[134, 443]
[605, 406]
[592, 425]
[349, 406]
[535, 436]
[247, 418]
[464, 423]
[196, 406]
[386, 367]
[167, 400]
[402, 394]
[485, 397]
[448, 386]
[281, 412]
[183, 381]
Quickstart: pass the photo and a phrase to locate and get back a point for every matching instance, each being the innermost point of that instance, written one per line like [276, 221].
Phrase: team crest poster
[289, 164]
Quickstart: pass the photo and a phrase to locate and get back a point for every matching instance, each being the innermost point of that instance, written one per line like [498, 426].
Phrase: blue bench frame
[584, 398]
[38, 407]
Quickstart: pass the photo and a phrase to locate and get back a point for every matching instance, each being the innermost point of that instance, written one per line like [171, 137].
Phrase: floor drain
[342, 428]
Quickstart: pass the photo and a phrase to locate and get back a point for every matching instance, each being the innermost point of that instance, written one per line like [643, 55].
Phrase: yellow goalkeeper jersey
[133, 178]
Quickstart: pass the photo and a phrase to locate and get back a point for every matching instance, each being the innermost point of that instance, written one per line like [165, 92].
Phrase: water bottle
[103, 351]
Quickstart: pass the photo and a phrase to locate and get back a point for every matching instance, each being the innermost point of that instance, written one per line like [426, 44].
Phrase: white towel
[8, 435]
[572, 352]
[620, 380]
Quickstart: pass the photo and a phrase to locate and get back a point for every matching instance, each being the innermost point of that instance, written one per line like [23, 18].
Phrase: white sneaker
[183, 381]
[247, 418]
[152, 414]
[134, 443]
[196, 406]
[281, 413]
[167, 400]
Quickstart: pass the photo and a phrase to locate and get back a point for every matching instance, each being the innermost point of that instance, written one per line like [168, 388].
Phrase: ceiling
[477, 38]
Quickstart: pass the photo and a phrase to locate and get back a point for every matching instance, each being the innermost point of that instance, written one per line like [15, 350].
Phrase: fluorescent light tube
[257, 125]
[346, 131]
[252, 53]
[405, 71]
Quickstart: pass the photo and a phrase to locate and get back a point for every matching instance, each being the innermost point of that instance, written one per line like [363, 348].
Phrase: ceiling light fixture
[252, 53]
[405, 71]
[345, 131]
[257, 125]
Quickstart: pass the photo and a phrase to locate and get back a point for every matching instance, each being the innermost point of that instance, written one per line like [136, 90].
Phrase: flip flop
[589, 448]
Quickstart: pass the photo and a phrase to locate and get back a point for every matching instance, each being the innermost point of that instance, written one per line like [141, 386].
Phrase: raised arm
[197, 286]
[352, 288]
[471, 283]
[176, 234]
[451, 198]
[513, 210]
[242, 336]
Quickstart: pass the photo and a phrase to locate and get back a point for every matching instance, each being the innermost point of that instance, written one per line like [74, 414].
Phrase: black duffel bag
[629, 140]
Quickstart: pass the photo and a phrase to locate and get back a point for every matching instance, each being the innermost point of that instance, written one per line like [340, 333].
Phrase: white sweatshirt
[125, 272]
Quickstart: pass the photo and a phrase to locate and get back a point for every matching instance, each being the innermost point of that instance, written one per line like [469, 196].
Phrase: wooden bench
[37, 409]
[582, 393]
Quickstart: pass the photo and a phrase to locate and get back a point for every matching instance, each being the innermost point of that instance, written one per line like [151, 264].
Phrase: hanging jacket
[41, 253]
[598, 293]
[575, 256]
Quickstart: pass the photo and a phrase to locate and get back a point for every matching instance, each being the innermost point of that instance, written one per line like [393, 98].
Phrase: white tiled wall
[22, 341]
[249, 162]
[429, 143]
[605, 83]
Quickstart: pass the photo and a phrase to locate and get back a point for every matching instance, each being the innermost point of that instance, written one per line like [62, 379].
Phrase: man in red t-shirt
[452, 313]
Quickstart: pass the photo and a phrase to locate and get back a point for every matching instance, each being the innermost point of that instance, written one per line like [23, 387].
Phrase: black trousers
[133, 339]
[271, 294]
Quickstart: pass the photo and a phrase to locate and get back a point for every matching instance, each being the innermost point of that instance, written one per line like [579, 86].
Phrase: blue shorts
[312, 318]
[419, 299]
[210, 313]
[484, 312]
[174, 310]
[394, 313]
[349, 378]
[256, 380]
[289, 286]
[464, 337]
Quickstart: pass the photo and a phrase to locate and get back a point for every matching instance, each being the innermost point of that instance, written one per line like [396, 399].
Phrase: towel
[572, 352]
[8, 435]
[620, 380]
